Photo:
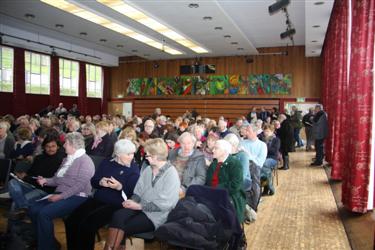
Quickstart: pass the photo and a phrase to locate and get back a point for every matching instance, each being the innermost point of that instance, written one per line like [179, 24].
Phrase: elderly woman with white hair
[113, 178]
[72, 182]
[6, 141]
[189, 162]
[242, 157]
[226, 172]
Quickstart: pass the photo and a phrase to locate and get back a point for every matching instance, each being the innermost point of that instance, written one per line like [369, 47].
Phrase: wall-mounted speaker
[278, 6]
[287, 33]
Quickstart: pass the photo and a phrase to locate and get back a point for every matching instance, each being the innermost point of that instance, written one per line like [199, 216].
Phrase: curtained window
[37, 73]
[69, 75]
[94, 81]
[6, 69]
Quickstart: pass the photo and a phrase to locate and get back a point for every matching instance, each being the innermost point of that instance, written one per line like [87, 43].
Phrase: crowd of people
[149, 163]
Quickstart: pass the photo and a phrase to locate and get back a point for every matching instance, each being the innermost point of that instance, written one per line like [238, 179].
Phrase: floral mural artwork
[186, 83]
[148, 86]
[167, 86]
[200, 87]
[218, 85]
[253, 85]
[134, 87]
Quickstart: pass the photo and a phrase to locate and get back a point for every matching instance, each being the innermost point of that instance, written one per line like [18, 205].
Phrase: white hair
[187, 134]
[124, 146]
[233, 140]
[224, 145]
[75, 139]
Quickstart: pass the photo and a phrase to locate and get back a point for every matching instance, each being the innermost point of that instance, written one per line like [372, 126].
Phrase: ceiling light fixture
[207, 18]
[83, 34]
[314, 41]
[239, 48]
[29, 16]
[316, 26]
[103, 40]
[234, 43]
[193, 5]
[146, 55]
[218, 28]
[87, 14]
[280, 4]
[134, 51]
[59, 26]
[142, 18]
[318, 3]
[120, 46]
[227, 36]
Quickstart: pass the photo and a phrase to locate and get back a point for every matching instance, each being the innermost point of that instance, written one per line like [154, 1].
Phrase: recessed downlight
[207, 18]
[83, 34]
[29, 16]
[314, 41]
[120, 46]
[319, 3]
[218, 28]
[316, 26]
[103, 40]
[193, 5]
[234, 43]
[227, 36]
[59, 26]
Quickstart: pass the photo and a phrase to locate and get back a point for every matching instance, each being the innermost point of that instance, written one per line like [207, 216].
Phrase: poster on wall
[254, 85]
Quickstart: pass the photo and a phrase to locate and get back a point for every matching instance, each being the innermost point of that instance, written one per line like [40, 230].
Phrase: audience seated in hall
[23, 148]
[113, 177]
[24, 193]
[102, 144]
[72, 182]
[155, 195]
[6, 140]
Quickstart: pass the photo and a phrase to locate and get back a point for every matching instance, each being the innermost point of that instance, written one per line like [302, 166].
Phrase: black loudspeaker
[287, 33]
[278, 6]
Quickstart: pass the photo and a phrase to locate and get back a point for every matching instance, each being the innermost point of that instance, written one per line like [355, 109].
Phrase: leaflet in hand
[124, 195]
[45, 197]
[20, 180]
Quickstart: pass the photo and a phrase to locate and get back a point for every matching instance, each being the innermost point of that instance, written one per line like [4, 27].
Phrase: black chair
[97, 160]
[5, 167]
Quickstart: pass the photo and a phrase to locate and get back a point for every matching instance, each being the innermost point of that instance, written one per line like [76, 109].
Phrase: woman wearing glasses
[155, 195]
[113, 178]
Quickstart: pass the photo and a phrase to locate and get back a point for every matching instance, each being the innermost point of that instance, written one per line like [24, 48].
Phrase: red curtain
[19, 96]
[356, 174]
[106, 83]
[335, 86]
[55, 82]
[82, 95]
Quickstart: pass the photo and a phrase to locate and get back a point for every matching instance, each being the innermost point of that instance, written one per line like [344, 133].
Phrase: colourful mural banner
[253, 85]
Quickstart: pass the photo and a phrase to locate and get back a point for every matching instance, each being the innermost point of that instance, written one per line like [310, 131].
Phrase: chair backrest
[97, 160]
[5, 167]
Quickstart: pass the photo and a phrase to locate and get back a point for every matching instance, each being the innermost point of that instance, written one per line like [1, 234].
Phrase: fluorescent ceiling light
[103, 21]
[138, 16]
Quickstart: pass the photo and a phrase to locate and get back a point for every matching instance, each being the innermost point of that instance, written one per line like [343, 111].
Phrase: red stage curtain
[19, 96]
[356, 174]
[106, 83]
[335, 86]
[82, 96]
[55, 82]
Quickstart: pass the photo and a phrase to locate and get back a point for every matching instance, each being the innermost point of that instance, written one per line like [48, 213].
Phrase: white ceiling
[247, 21]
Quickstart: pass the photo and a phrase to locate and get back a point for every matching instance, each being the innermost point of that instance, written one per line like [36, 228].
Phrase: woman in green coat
[226, 172]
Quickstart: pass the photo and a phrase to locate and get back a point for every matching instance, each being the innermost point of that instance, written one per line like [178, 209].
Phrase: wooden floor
[301, 215]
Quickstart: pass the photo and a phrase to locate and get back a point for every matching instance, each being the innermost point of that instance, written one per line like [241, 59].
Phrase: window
[69, 73]
[94, 81]
[37, 73]
[6, 69]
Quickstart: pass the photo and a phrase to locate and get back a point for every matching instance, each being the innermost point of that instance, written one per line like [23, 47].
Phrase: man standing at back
[320, 132]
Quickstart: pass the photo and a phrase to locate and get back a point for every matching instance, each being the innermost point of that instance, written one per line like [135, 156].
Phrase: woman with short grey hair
[113, 178]
[6, 141]
[242, 157]
[72, 182]
[155, 195]
[225, 172]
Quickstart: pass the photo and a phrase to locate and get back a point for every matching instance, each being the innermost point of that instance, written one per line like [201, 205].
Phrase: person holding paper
[23, 189]
[72, 182]
[155, 195]
[114, 181]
